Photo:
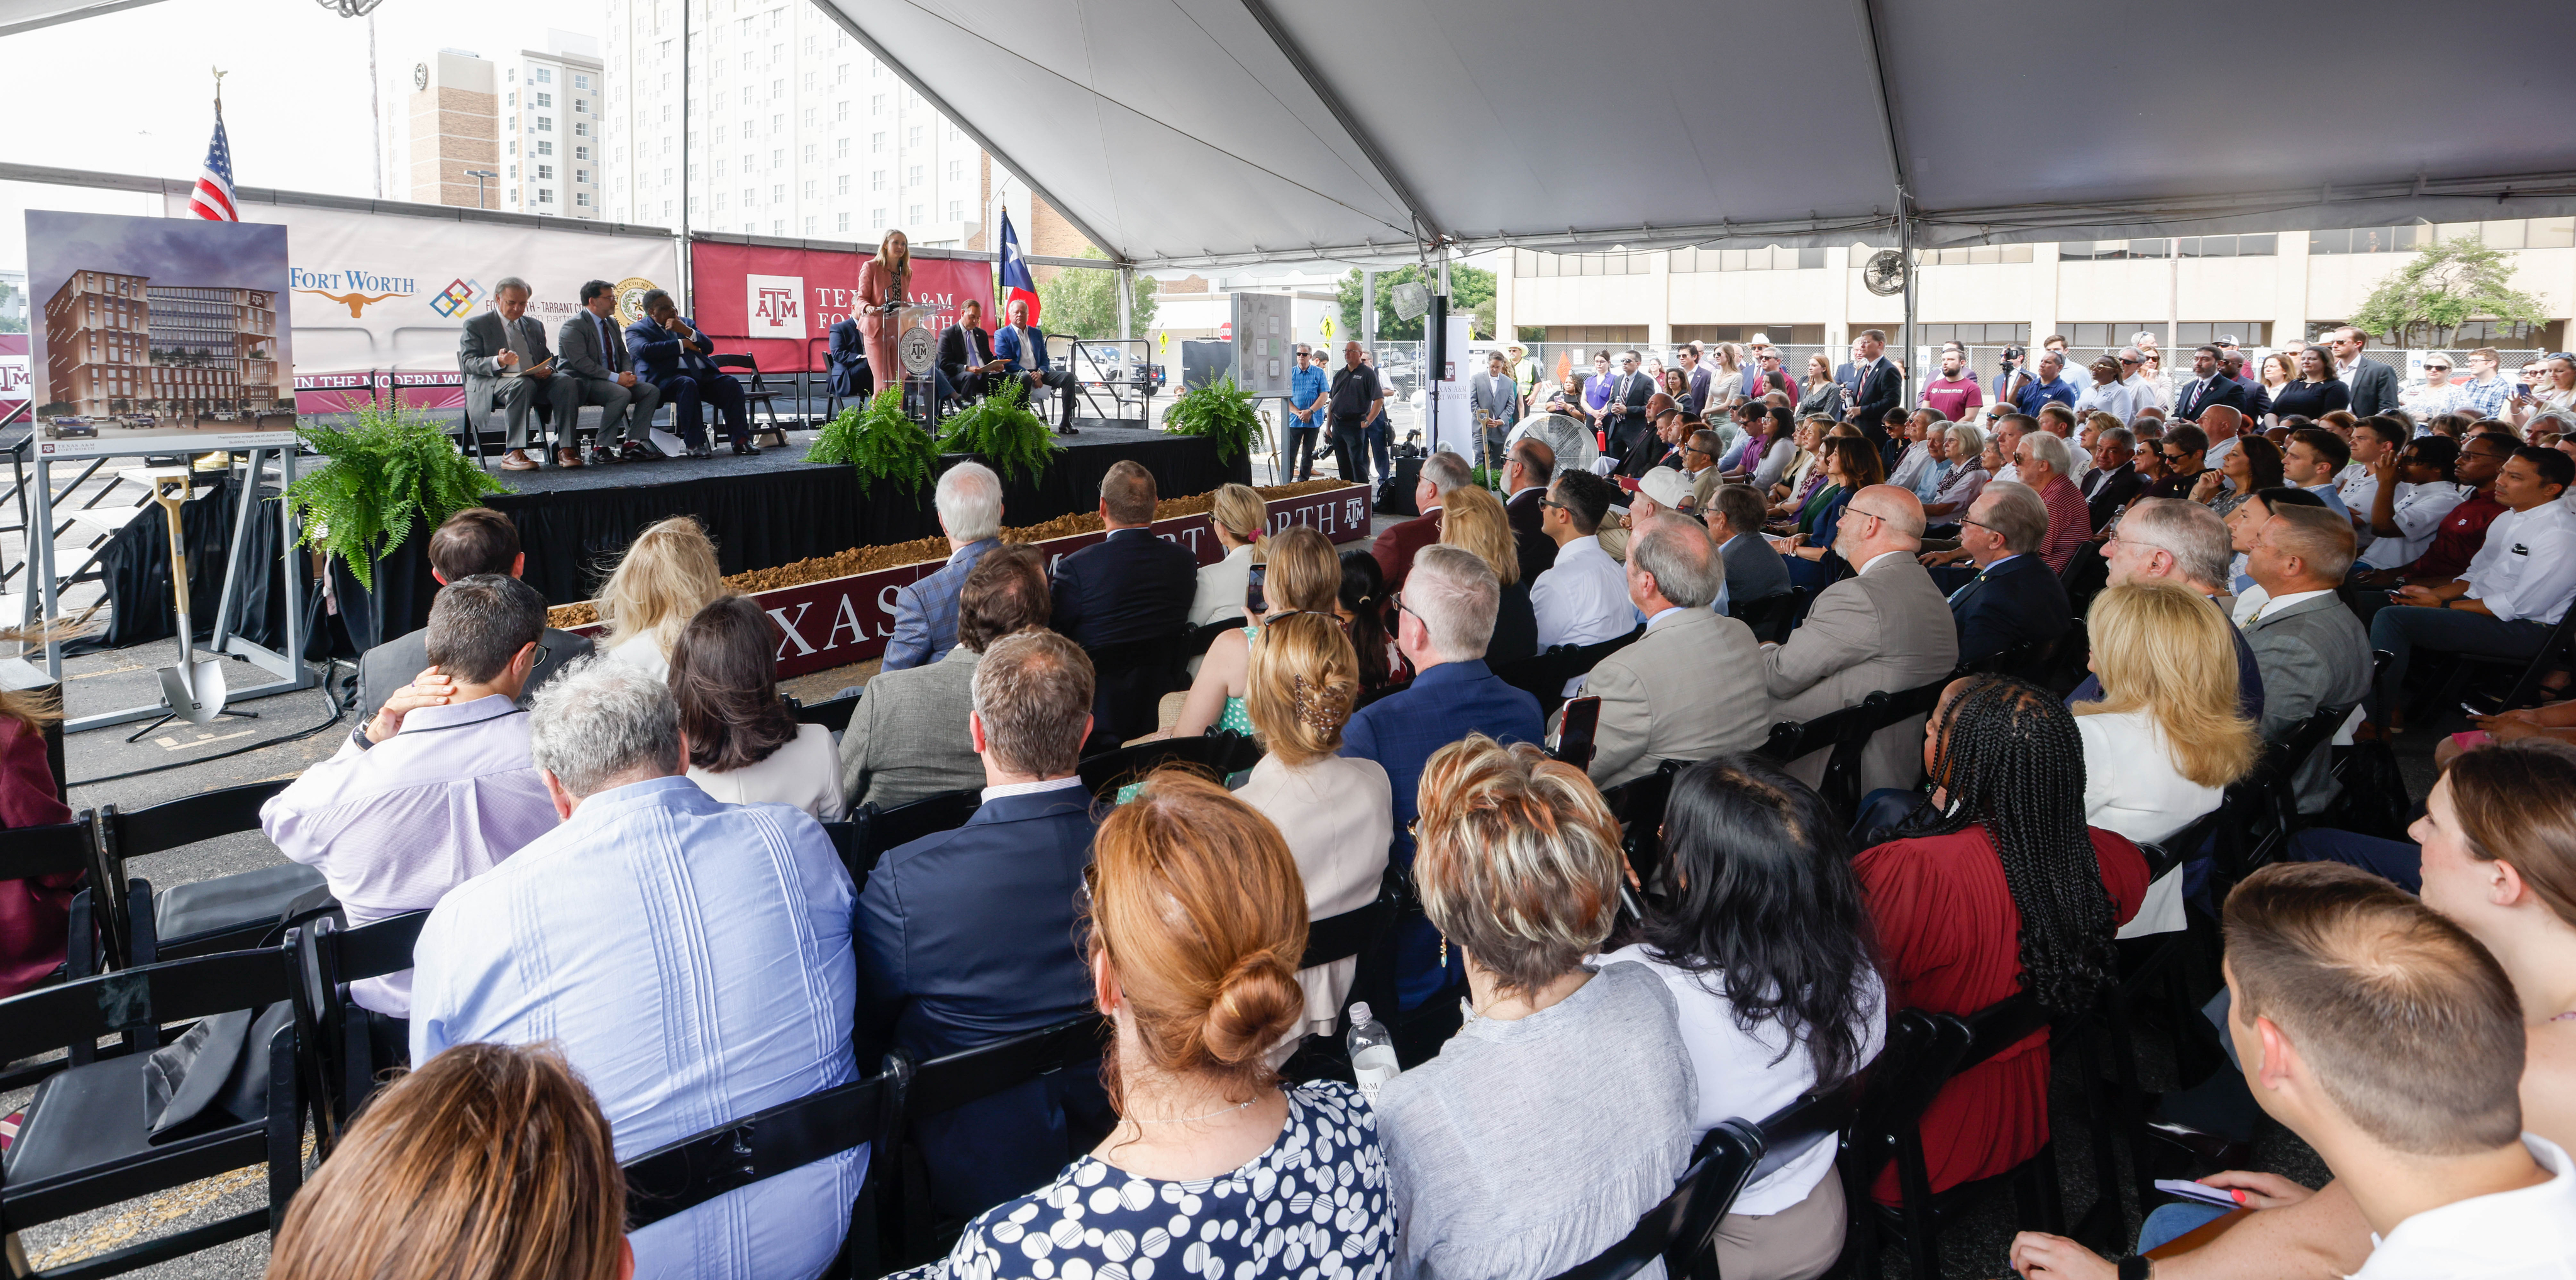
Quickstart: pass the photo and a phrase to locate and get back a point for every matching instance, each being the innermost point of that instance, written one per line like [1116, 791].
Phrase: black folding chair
[872, 831]
[352, 1046]
[1129, 680]
[2265, 804]
[950, 1081]
[831, 713]
[1840, 732]
[2525, 690]
[86, 1143]
[1772, 615]
[1682, 1227]
[755, 393]
[1638, 804]
[1205, 634]
[225, 913]
[1544, 675]
[679, 1176]
[1104, 774]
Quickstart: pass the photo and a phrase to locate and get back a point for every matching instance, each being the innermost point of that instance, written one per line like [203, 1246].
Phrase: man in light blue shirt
[2313, 460]
[1305, 413]
[691, 958]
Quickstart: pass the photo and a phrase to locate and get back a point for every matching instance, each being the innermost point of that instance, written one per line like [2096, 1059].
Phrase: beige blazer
[1692, 687]
[1886, 630]
[1338, 816]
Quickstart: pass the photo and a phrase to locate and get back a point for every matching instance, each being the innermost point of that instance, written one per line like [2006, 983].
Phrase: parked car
[141, 420]
[71, 428]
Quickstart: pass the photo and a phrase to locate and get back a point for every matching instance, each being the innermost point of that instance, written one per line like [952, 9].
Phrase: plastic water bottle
[1372, 1051]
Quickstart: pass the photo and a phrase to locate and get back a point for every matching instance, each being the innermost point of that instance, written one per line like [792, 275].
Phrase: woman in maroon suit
[1992, 886]
[34, 913]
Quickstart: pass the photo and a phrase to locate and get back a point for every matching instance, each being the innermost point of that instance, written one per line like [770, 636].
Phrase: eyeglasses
[1857, 509]
[1554, 504]
[542, 653]
[1397, 599]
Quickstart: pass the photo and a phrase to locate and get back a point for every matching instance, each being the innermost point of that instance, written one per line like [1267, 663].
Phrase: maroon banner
[779, 305]
[844, 620]
[13, 372]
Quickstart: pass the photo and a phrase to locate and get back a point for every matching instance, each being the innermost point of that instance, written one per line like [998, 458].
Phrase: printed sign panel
[13, 372]
[734, 282]
[774, 307]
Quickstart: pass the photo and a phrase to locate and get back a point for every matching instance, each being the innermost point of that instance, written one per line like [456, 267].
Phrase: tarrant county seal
[630, 298]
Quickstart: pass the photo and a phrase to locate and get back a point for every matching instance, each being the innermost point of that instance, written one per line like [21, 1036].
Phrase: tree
[2447, 285]
[1471, 292]
[1081, 302]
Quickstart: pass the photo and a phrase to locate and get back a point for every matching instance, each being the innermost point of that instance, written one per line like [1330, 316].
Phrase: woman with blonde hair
[885, 284]
[1560, 1066]
[667, 574]
[2168, 735]
[1725, 381]
[489, 1162]
[1304, 577]
[1333, 810]
[1475, 519]
[1238, 515]
[1820, 396]
[1197, 921]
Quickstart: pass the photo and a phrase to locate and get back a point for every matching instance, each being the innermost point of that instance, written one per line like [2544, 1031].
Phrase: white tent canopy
[30, 15]
[1187, 133]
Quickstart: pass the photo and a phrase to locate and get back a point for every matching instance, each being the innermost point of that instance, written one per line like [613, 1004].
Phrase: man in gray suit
[2312, 650]
[475, 540]
[907, 737]
[1753, 570]
[507, 366]
[1497, 397]
[1885, 629]
[1684, 690]
[594, 359]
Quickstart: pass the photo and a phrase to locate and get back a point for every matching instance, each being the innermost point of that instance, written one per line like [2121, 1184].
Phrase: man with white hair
[2186, 543]
[690, 958]
[1441, 472]
[1444, 619]
[1675, 694]
[2046, 463]
[1885, 628]
[507, 367]
[969, 500]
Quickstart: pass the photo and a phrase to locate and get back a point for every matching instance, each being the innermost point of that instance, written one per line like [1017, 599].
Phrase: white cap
[1666, 486]
[1359, 1012]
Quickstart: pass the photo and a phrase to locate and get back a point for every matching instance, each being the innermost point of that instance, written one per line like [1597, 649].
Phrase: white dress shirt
[2527, 569]
[2528, 1234]
[1583, 599]
[2116, 398]
[804, 772]
[2258, 603]
[2132, 787]
[2418, 511]
[996, 792]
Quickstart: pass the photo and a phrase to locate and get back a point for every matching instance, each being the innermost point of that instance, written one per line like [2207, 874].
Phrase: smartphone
[1253, 599]
[1575, 732]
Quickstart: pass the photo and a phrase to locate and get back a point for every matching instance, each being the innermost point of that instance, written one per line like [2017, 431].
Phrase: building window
[545, 171]
[2369, 239]
[842, 76]
[778, 123]
[877, 180]
[841, 110]
[581, 198]
[545, 124]
[811, 114]
[912, 136]
[719, 167]
[956, 211]
[514, 146]
[746, 95]
[543, 100]
[778, 227]
[513, 173]
[844, 219]
[778, 158]
[545, 195]
[544, 75]
[956, 170]
[810, 222]
[912, 176]
[809, 152]
[1976, 255]
[809, 86]
[876, 141]
[841, 185]
[1768, 258]
[510, 99]
[877, 216]
[581, 128]
[778, 194]
[912, 214]
[545, 147]
[581, 175]
[581, 106]
[583, 153]
[750, 196]
[1530, 263]
[580, 81]
[810, 186]
[841, 149]
[778, 88]
[876, 104]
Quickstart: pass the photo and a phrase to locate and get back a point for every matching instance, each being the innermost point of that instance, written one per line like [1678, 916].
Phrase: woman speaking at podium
[885, 282]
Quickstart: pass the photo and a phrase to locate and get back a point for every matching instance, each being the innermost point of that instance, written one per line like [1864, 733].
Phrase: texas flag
[1016, 285]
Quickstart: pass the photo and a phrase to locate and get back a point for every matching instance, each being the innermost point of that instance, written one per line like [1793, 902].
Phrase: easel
[287, 665]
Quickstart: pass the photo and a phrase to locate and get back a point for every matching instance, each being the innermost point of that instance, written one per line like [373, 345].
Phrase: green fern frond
[1222, 411]
[879, 442]
[392, 473]
[1001, 431]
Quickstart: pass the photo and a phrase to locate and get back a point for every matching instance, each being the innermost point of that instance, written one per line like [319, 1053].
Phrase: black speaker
[1395, 493]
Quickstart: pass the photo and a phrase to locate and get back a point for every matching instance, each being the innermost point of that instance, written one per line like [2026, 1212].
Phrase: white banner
[390, 291]
[1457, 413]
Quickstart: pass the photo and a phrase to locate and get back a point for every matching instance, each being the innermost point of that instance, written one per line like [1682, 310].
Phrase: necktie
[518, 345]
[608, 343]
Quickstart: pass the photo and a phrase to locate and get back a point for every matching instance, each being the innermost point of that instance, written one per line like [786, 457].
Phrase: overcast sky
[295, 98]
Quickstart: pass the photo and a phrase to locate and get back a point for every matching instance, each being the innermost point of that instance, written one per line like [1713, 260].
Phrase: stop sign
[1226, 331]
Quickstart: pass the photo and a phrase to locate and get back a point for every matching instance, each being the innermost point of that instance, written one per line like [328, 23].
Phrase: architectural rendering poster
[157, 335]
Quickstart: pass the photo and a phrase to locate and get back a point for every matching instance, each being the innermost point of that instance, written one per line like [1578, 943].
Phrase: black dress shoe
[601, 455]
[638, 451]
[745, 449]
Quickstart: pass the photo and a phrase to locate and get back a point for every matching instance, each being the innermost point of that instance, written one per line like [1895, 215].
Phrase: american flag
[214, 197]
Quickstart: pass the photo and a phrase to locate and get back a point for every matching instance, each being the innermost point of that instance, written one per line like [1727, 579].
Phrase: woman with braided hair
[1993, 886]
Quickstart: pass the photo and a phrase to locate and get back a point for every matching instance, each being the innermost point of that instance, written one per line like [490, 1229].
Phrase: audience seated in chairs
[691, 959]
[439, 786]
[667, 574]
[745, 747]
[489, 1161]
[1992, 886]
[1753, 570]
[2170, 540]
[2516, 588]
[1472, 518]
[1361, 606]
[969, 502]
[1195, 926]
[1129, 587]
[2312, 650]
[475, 540]
[1758, 930]
[1684, 690]
[1564, 1109]
[2379, 1030]
[1442, 472]
[907, 738]
[2015, 598]
[1304, 576]
[1335, 812]
[35, 914]
[1238, 517]
[1583, 599]
[967, 936]
[2167, 734]
[1527, 469]
[846, 363]
[1850, 464]
[1885, 629]
[1442, 627]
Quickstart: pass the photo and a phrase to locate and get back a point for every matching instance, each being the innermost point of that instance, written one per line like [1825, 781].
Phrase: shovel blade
[194, 692]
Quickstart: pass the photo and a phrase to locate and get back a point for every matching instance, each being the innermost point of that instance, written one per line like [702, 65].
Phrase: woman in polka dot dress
[1198, 921]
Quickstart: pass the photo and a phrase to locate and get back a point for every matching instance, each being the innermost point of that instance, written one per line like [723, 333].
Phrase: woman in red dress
[1995, 885]
[885, 281]
[34, 913]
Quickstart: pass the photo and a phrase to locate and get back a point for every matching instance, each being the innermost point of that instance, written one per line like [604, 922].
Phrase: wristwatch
[2136, 1267]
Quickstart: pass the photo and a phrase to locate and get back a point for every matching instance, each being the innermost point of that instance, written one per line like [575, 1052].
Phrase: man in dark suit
[2210, 385]
[1754, 570]
[968, 936]
[1130, 586]
[2374, 386]
[475, 540]
[2114, 479]
[848, 361]
[1664, 447]
[670, 353]
[1623, 416]
[1526, 473]
[2015, 597]
[592, 352]
[966, 352]
[1876, 387]
[2258, 400]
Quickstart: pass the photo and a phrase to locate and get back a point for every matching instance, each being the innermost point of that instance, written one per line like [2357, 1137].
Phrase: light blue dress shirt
[692, 960]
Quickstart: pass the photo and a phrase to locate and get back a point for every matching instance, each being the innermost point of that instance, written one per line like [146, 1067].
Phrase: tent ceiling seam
[1332, 100]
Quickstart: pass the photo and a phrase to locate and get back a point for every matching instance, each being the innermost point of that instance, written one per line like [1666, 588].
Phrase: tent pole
[1368, 309]
[2173, 294]
[1905, 238]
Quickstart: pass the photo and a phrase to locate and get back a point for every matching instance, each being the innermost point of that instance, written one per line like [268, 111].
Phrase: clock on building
[420, 75]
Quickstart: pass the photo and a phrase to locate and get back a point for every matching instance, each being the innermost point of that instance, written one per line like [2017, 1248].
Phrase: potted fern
[1221, 411]
[392, 472]
[1000, 430]
[880, 443]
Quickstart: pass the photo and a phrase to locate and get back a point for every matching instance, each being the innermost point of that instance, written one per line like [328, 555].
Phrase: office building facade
[119, 344]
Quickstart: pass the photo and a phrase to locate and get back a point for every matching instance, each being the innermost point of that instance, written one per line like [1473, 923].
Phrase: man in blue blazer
[1022, 349]
[2015, 597]
[1449, 604]
[1129, 586]
[968, 936]
[670, 353]
[848, 361]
